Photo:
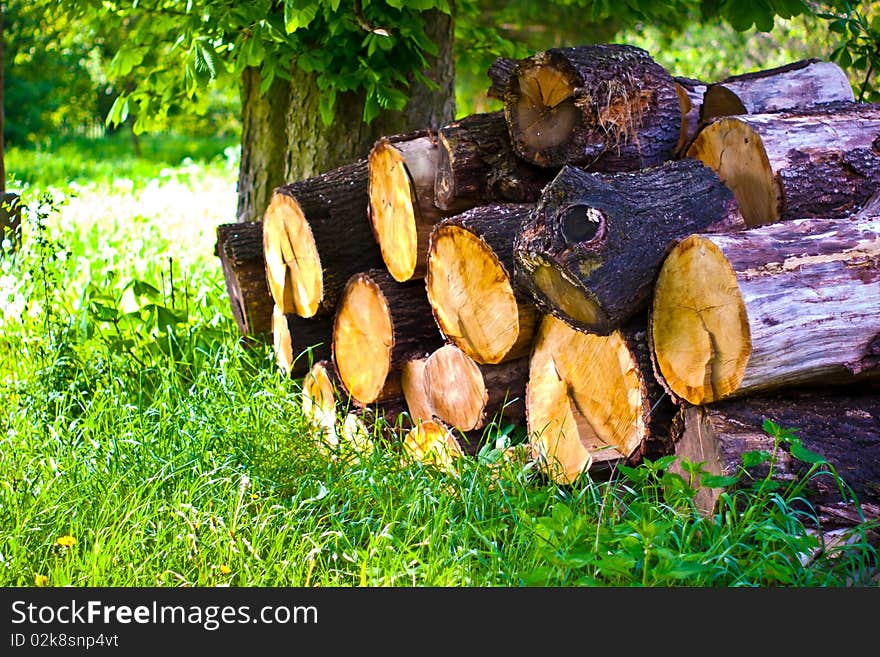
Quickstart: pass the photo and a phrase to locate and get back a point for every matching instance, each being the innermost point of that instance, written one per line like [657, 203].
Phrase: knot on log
[582, 224]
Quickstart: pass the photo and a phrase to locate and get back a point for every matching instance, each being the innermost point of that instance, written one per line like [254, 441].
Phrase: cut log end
[318, 401]
[736, 153]
[392, 210]
[432, 443]
[471, 295]
[293, 266]
[544, 114]
[457, 392]
[570, 299]
[362, 339]
[699, 326]
[412, 382]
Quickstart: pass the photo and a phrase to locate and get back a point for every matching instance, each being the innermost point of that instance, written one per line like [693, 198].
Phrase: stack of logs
[625, 263]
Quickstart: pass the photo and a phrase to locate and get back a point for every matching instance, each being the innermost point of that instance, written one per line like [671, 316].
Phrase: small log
[470, 286]
[379, 325]
[798, 85]
[316, 234]
[842, 428]
[318, 400]
[791, 303]
[469, 396]
[300, 341]
[591, 250]
[818, 162]
[240, 249]
[690, 96]
[402, 172]
[499, 73]
[605, 107]
[432, 443]
[476, 165]
[592, 401]
[412, 383]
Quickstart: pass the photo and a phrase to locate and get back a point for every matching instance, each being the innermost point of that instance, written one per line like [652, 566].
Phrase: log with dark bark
[470, 285]
[476, 165]
[798, 85]
[499, 73]
[316, 235]
[818, 162]
[380, 324]
[791, 303]
[468, 396]
[592, 400]
[591, 250]
[690, 96]
[402, 173]
[843, 428]
[606, 107]
[239, 247]
[300, 341]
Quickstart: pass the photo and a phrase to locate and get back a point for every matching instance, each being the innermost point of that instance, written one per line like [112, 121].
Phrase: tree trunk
[470, 286]
[591, 250]
[798, 85]
[819, 162]
[284, 139]
[792, 303]
[402, 171]
[842, 428]
[240, 249]
[316, 236]
[468, 396]
[299, 342]
[476, 165]
[604, 107]
[380, 324]
[592, 400]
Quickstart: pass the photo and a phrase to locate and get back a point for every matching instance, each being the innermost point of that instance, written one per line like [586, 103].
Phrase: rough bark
[470, 285]
[791, 303]
[499, 73]
[844, 429]
[477, 165]
[818, 162]
[299, 342]
[316, 236]
[798, 85]
[380, 324]
[604, 107]
[592, 400]
[591, 250]
[240, 249]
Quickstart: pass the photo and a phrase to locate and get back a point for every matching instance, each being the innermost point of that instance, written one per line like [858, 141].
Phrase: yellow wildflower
[41, 580]
[224, 569]
[66, 541]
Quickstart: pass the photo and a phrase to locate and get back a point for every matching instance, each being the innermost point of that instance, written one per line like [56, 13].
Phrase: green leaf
[755, 457]
[801, 453]
[718, 481]
[118, 111]
[299, 14]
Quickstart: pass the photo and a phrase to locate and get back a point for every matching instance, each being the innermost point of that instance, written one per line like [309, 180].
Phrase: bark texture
[240, 249]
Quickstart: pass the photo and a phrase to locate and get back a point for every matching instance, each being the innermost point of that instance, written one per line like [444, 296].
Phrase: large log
[606, 107]
[380, 324]
[592, 400]
[470, 287]
[591, 250]
[818, 162]
[477, 165]
[239, 247]
[843, 428]
[795, 302]
[798, 85]
[317, 234]
[402, 173]
[300, 341]
[469, 396]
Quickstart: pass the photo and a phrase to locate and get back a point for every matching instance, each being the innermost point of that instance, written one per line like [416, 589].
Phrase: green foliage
[858, 27]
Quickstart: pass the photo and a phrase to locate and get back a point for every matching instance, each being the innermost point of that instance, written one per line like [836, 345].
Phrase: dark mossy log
[797, 85]
[607, 107]
[843, 429]
[470, 284]
[499, 73]
[240, 249]
[10, 221]
[591, 250]
[402, 173]
[316, 234]
[477, 165]
[469, 396]
[300, 341]
[380, 324]
[412, 383]
[690, 97]
[791, 303]
[819, 162]
[592, 400]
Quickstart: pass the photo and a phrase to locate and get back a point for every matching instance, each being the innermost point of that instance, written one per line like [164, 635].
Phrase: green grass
[135, 422]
